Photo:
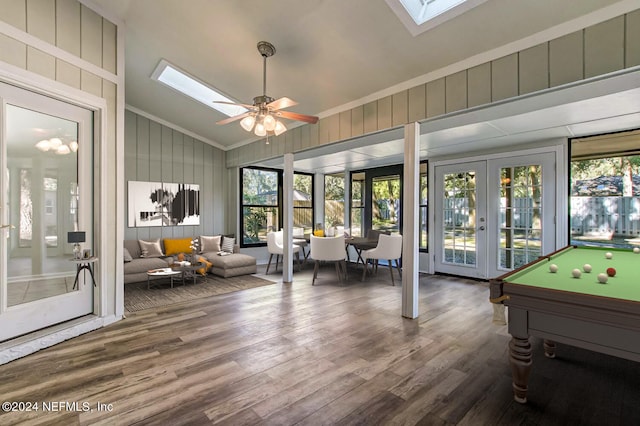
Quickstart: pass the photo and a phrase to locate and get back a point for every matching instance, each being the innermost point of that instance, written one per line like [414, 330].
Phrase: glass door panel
[44, 145]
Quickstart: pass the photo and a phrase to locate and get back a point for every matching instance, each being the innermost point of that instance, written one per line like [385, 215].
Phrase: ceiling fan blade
[300, 117]
[281, 103]
[234, 118]
[233, 103]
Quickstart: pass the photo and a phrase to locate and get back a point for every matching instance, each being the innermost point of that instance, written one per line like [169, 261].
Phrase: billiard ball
[576, 273]
[636, 250]
[611, 272]
[586, 267]
[608, 255]
[553, 268]
[602, 278]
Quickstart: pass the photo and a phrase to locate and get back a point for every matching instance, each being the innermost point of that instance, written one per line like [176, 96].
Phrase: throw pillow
[210, 244]
[177, 245]
[227, 244]
[207, 266]
[150, 248]
[127, 256]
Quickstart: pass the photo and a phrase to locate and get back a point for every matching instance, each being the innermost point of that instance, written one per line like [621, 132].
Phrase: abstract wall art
[163, 204]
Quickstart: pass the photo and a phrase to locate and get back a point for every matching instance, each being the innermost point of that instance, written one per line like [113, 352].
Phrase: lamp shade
[76, 237]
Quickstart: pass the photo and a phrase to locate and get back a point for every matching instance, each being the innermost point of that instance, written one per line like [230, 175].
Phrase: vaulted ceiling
[331, 54]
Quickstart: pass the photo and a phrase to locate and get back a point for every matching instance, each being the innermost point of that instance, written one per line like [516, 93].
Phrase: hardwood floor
[315, 355]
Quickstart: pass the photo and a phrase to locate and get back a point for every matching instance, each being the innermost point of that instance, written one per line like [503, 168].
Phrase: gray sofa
[223, 266]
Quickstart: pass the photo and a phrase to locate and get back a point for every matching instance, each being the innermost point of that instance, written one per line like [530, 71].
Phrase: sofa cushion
[144, 264]
[133, 246]
[227, 244]
[207, 265]
[127, 256]
[210, 244]
[234, 260]
[150, 248]
[177, 245]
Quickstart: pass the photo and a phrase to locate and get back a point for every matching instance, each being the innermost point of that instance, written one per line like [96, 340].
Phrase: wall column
[287, 222]
[410, 220]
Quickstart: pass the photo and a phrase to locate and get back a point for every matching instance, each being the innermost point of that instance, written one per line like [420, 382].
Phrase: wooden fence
[605, 216]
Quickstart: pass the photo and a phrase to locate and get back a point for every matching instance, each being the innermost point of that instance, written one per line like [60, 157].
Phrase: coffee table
[165, 272]
[188, 271]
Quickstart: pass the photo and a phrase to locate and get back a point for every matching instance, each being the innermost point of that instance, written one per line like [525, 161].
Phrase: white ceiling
[335, 54]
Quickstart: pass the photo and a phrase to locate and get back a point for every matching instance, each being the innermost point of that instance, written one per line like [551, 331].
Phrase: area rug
[137, 297]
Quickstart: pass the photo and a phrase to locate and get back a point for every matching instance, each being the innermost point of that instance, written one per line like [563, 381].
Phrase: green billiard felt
[625, 285]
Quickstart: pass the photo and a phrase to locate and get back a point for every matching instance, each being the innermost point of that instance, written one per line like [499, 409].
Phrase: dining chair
[275, 246]
[329, 249]
[390, 248]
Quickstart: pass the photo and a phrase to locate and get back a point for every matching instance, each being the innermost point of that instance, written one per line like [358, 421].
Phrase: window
[424, 211]
[334, 200]
[260, 207]
[605, 190]
[357, 204]
[261, 204]
[419, 16]
[303, 202]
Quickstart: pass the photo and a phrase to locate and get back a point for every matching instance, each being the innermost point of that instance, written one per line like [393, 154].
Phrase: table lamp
[76, 237]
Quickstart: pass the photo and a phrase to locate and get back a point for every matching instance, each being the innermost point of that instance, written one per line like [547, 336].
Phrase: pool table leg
[520, 360]
[549, 348]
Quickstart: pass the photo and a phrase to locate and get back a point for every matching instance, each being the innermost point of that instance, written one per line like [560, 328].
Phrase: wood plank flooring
[317, 355]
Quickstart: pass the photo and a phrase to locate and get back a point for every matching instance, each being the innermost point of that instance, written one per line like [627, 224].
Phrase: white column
[410, 220]
[287, 222]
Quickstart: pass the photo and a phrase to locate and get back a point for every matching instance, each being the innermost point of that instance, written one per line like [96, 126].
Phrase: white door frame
[558, 147]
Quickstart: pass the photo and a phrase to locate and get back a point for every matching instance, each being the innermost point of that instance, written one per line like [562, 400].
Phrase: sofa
[136, 265]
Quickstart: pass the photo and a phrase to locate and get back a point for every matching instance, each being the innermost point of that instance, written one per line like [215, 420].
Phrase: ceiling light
[43, 145]
[248, 122]
[63, 150]
[55, 143]
[269, 123]
[279, 128]
[260, 130]
[73, 146]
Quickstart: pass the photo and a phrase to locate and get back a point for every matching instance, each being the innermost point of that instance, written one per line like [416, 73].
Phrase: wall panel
[632, 39]
[91, 35]
[504, 78]
[566, 60]
[436, 101]
[479, 85]
[533, 69]
[68, 26]
[456, 91]
[13, 52]
[384, 113]
[345, 125]
[357, 121]
[604, 47]
[41, 19]
[67, 74]
[417, 103]
[400, 108]
[42, 63]
[370, 114]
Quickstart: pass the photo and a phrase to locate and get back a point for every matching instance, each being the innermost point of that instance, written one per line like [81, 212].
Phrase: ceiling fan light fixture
[269, 123]
[73, 146]
[279, 128]
[63, 150]
[55, 143]
[43, 145]
[248, 122]
[260, 130]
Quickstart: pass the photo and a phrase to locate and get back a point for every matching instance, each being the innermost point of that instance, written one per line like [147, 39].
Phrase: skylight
[421, 15]
[178, 80]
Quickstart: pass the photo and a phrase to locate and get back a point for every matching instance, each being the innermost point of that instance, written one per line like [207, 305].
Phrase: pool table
[577, 311]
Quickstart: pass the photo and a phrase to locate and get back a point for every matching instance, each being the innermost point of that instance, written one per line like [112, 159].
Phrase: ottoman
[232, 265]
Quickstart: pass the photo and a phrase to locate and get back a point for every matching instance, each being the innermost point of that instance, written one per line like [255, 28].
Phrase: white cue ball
[608, 255]
[636, 250]
[602, 278]
[576, 273]
[553, 268]
[586, 267]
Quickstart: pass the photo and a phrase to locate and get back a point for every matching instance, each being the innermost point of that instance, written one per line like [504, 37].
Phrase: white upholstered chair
[275, 246]
[329, 249]
[390, 248]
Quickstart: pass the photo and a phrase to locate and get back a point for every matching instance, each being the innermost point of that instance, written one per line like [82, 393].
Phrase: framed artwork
[163, 204]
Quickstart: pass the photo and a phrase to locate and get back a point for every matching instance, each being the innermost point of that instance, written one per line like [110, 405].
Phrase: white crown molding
[175, 127]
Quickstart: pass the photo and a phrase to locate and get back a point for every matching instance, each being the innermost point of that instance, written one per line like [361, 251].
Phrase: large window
[334, 200]
[424, 211]
[357, 204]
[261, 204]
[605, 190]
[303, 202]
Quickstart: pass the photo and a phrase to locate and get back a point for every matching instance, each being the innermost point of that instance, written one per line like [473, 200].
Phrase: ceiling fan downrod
[266, 50]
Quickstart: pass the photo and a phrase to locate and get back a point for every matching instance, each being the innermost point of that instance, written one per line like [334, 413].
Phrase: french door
[46, 181]
[494, 215]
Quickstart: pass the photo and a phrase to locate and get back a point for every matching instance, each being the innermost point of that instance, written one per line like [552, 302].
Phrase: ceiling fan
[262, 116]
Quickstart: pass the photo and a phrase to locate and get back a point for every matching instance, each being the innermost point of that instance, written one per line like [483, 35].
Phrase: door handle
[482, 228]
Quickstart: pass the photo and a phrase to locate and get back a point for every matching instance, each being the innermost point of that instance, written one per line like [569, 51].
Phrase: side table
[188, 271]
[84, 264]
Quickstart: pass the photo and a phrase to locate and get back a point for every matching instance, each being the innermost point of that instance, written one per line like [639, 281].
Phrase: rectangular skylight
[421, 15]
[171, 76]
